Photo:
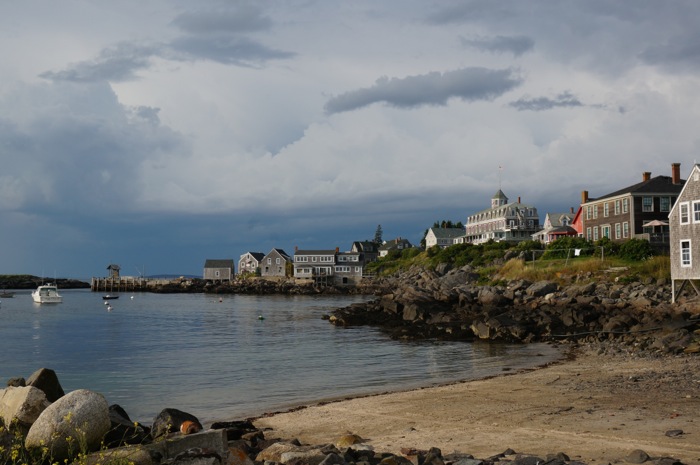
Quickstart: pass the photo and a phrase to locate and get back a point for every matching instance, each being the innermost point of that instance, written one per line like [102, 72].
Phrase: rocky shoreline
[422, 303]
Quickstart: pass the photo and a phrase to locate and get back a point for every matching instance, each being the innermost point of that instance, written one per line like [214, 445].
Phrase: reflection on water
[218, 360]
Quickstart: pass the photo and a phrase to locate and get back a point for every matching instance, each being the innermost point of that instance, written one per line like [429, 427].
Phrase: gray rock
[542, 288]
[637, 456]
[46, 380]
[73, 424]
[22, 404]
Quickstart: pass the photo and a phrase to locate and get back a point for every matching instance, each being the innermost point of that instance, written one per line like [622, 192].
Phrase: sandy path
[596, 408]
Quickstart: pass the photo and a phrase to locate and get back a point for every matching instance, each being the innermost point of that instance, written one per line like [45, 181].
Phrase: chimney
[571, 209]
[337, 249]
[646, 176]
[584, 196]
[296, 248]
[676, 173]
[518, 199]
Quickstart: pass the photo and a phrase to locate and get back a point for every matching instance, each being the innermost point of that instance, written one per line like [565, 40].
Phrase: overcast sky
[158, 134]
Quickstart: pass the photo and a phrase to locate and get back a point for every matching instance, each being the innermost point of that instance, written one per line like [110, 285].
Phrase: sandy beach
[595, 406]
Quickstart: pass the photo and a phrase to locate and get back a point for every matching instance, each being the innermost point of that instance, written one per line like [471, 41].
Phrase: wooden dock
[125, 284]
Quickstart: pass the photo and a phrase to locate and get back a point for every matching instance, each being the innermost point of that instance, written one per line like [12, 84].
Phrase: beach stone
[124, 431]
[22, 404]
[333, 459]
[77, 420]
[348, 440]
[273, 453]
[238, 455]
[197, 456]
[637, 456]
[46, 380]
[309, 455]
[16, 382]
[172, 420]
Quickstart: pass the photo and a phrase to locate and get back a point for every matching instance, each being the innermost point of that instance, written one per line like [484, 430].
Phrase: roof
[256, 255]
[656, 185]
[218, 263]
[284, 254]
[555, 218]
[508, 205]
[696, 167]
[388, 245]
[365, 246]
[499, 195]
[114, 267]
[448, 233]
[315, 252]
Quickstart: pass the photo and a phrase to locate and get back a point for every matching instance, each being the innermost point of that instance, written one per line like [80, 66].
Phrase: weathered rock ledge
[427, 304]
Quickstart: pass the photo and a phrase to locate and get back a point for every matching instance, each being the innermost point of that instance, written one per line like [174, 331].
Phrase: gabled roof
[365, 246]
[280, 252]
[388, 245]
[696, 167]
[656, 185]
[214, 263]
[256, 255]
[555, 218]
[448, 233]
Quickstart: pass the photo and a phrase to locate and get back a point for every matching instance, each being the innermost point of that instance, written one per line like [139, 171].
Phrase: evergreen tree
[378, 235]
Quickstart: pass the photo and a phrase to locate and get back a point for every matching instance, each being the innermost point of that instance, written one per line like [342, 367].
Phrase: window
[589, 212]
[647, 204]
[625, 205]
[665, 204]
[684, 213]
[277, 261]
[588, 234]
[696, 211]
[595, 211]
[625, 230]
[685, 254]
[605, 231]
[269, 261]
[606, 209]
[595, 233]
[618, 231]
[617, 207]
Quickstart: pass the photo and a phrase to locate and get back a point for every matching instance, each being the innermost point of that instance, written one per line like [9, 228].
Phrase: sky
[156, 135]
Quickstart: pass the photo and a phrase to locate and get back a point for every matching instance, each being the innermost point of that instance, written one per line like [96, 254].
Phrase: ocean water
[214, 357]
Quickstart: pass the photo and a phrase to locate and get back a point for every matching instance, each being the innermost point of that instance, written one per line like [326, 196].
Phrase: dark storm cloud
[565, 99]
[245, 18]
[680, 53]
[225, 49]
[517, 45]
[429, 89]
[212, 35]
[115, 64]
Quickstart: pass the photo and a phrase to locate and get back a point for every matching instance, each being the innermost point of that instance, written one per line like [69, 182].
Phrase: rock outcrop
[424, 304]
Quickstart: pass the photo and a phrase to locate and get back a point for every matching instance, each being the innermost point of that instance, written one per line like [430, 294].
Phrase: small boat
[47, 294]
[109, 297]
[7, 295]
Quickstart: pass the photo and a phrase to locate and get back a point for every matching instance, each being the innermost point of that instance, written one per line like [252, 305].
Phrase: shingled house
[684, 224]
[218, 270]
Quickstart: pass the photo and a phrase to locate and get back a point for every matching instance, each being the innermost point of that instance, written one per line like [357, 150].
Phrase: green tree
[378, 235]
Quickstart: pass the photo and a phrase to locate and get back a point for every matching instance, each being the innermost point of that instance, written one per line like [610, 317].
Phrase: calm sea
[219, 361]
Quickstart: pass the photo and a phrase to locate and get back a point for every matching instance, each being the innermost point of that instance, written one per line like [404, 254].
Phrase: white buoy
[132, 297]
[106, 303]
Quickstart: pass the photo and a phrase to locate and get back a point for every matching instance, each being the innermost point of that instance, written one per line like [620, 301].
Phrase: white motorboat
[47, 294]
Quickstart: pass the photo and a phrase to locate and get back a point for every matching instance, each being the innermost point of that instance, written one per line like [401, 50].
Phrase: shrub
[636, 249]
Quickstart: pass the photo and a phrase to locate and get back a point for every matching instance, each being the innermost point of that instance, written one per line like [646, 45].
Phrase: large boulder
[74, 424]
[46, 380]
[21, 405]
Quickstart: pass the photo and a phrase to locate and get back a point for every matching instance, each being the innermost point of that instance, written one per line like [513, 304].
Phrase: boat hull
[47, 295]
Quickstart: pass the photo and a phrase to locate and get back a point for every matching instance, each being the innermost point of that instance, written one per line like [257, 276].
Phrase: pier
[126, 284]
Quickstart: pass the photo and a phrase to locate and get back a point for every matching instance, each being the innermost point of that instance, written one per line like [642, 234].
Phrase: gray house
[274, 264]
[218, 270]
[684, 236]
[249, 262]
